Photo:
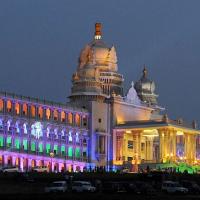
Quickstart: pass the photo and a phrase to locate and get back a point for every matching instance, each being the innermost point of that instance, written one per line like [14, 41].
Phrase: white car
[173, 187]
[10, 169]
[82, 186]
[57, 186]
[41, 169]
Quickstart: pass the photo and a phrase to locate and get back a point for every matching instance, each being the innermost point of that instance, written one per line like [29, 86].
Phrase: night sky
[40, 41]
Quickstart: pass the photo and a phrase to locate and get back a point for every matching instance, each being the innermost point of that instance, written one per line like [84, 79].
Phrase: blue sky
[40, 42]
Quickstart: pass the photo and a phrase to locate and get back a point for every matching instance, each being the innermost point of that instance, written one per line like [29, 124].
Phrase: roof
[155, 124]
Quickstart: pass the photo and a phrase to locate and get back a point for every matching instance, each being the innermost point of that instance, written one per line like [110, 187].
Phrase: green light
[63, 150]
[32, 146]
[40, 147]
[48, 148]
[8, 142]
[1, 141]
[70, 151]
[77, 153]
[17, 144]
[25, 144]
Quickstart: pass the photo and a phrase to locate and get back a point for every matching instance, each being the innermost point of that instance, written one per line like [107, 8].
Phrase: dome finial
[97, 34]
[145, 71]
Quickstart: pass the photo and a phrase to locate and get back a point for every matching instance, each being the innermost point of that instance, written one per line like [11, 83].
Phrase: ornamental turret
[145, 89]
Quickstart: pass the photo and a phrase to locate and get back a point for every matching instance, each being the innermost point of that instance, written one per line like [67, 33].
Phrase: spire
[145, 71]
[97, 34]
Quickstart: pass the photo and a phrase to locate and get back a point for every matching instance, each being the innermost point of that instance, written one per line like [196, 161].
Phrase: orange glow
[17, 162]
[70, 117]
[1, 105]
[77, 119]
[55, 115]
[32, 111]
[25, 109]
[9, 106]
[48, 113]
[17, 108]
[40, 112]
[63, 117]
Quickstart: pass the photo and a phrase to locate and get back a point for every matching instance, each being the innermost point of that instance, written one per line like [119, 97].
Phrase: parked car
[173, 187]
[41, 169]
[193, 187]
[132, 188]
[82, 186]
[10, 169]
[57, 186]
[114, 187]
[145, 188]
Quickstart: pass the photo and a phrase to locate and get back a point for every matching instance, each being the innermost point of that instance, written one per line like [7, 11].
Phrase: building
[100, 126]
[35, 132]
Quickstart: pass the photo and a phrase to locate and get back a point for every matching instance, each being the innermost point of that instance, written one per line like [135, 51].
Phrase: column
[21, 164]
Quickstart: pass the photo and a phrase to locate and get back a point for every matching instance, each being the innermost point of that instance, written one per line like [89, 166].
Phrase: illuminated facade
[99, 126]
[41, 133]
[127, 130]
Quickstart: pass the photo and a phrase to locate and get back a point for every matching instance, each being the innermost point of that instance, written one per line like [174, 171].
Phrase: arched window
[70, 117]
[55, 115]
[24, 109]
[17, 108]
[77, 119]
[63, 116]
[9, 106]
[40, 112]
[1, 104]
[84, 120]
[32, 111]
[48, 113]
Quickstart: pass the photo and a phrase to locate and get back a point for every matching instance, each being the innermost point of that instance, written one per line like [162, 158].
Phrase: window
[63, 117]
[25, 144]
[17, 108]
[48, 113]
[40, 112]
[77, 152]
[130, 144]
[8, 142]
[63, 150]
[40, 147]
[32, 146]
[101, 144]
[70, 117]
[55, 149]
[55, 115]
[32, 111]
[70, 136]
[142, 146]
[24, 109]
[1, 105]
[48, 148]
[84, 120]
[99, 120]
[70, 151]
[77, 119]
[17, 144]
[9, 106]
[84, 141]
[1, 141]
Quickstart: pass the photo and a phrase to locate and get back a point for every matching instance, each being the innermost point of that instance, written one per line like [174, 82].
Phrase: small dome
[145, 85]
[145, 89]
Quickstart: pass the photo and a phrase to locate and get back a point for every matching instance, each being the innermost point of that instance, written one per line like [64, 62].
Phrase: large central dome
[98, 54]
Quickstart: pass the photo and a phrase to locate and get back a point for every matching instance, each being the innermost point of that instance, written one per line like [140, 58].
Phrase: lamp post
[51, 155]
